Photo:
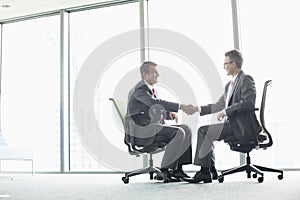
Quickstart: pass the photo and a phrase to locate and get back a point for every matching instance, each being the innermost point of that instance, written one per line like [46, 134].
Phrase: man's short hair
[144, 69]
[236, 56]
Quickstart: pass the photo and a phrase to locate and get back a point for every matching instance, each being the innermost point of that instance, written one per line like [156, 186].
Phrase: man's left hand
[221, 116]
[173, 116]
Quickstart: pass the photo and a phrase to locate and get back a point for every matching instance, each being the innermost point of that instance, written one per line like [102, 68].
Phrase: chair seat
[232, 138]
[153, 148]
[244, 146]
[241, 146]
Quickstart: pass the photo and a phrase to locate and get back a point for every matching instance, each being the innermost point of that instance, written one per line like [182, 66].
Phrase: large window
[209, 25]
[31, 90]
[180, 32]
[270, 43]
[88, 31]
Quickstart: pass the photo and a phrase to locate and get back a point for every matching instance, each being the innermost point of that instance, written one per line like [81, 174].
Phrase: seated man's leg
[204, 155]
[206, 136]
[186, 157]
[175, 139]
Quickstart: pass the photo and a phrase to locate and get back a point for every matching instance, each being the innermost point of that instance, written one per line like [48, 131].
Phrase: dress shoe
[214, 173]
[199, 177]
[180, 174]
[159, 177]
[171, 179]
[167, 176]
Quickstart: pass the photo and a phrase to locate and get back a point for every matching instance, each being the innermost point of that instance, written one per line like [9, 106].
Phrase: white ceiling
[26, 7]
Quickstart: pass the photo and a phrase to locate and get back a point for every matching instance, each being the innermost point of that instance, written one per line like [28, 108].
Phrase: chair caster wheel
[166, 180]
[260, 179]
[151, 175]
[280, 177]
[220, 179]
[159, 178]
[254, 175]
[125, 180]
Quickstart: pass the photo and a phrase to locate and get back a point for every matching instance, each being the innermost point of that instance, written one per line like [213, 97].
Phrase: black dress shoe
[167, 176]
[159, 177]
[214, 173]
[199, 177]
[171, 179]
[180, 174]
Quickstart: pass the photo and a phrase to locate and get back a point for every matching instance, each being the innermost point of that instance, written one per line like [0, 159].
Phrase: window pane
[270, 38]
[88, 30]
[209, 25]
[31, 89]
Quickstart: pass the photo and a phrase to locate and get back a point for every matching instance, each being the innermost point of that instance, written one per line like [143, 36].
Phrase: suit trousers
[204, 155]
[178, 148]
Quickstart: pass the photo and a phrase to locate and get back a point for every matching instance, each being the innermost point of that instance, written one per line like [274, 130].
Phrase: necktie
[161, 114]
[153, 93]
[229, 92]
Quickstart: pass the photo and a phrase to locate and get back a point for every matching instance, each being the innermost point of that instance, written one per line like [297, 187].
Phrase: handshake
[188, 109]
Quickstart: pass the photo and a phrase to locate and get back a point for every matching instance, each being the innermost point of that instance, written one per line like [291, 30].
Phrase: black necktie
[153, 93]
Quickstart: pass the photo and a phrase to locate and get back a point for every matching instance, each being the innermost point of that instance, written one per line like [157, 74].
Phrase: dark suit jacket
[240, 110]
[142, 120]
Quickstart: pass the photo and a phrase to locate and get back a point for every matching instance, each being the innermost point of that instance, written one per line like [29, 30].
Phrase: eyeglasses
[227, 63]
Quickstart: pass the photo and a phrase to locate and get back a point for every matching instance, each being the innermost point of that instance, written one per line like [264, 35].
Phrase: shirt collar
[234, 78]
[148, 85]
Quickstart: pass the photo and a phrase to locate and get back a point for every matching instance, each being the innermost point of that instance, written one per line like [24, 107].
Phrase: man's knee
[181, 133]
[202, 131]
[186, 129]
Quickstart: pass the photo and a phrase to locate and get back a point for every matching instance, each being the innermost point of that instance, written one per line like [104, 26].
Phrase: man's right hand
[188, 109]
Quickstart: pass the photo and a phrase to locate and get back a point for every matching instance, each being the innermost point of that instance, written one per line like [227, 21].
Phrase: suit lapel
[226, 91]
[235, 84]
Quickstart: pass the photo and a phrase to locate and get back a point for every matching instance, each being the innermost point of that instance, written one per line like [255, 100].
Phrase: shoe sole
[204, 181]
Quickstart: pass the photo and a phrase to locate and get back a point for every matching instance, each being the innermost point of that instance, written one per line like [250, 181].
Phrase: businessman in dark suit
[145, 122]
[239, 96]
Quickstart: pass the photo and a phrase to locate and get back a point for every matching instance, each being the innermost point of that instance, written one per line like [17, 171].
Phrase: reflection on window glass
[271, 48]
[88, 30]
[31, 90]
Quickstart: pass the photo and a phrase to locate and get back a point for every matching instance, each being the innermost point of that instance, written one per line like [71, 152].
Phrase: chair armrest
[135, 114]
[248, 110]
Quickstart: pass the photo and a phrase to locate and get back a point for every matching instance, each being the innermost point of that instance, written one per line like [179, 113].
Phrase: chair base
[151, 170]
[256, 169]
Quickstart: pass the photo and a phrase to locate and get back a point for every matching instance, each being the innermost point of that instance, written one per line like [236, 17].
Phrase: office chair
[138, 151]
[247, 146]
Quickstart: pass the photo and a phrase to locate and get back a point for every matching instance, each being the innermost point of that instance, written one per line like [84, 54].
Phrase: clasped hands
[188, 109]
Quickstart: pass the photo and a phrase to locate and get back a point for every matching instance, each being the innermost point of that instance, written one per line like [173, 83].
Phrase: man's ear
[144, 74]
[234, 63]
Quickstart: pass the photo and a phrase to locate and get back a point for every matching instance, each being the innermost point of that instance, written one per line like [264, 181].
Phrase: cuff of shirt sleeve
[199, 109]
[224, 111]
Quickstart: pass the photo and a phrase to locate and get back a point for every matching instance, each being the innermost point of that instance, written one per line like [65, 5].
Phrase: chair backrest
[131, 148]
[129, 140]
[247, 146]
[120, 114]
[262, 117]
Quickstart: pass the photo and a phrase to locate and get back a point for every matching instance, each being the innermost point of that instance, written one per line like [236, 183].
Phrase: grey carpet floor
[110, 187]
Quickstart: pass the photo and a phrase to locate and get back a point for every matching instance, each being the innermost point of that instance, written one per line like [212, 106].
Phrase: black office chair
[264, 140]
[138, 151]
